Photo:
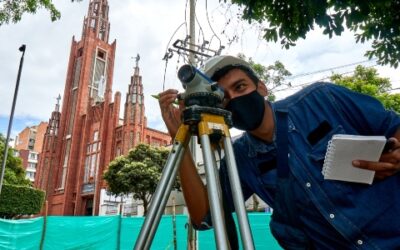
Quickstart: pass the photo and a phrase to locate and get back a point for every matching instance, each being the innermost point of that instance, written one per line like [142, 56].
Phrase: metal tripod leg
[160, 197]
[208, 126]
[214, 194]
[237, 194]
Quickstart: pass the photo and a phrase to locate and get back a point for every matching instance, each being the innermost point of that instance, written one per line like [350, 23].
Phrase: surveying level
[205, 118]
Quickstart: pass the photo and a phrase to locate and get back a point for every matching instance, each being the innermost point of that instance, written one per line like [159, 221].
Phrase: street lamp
[3, 166]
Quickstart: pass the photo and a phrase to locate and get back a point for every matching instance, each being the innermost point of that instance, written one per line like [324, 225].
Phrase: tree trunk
[145, 205]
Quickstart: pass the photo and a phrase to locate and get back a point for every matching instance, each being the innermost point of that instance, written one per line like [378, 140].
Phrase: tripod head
[201, 96]
[202, 93]
[199, 88]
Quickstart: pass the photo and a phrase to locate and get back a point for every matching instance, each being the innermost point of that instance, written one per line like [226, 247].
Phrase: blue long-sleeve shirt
[330, 214]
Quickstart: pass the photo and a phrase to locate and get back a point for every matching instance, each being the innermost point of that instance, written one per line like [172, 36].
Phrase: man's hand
[389, 163]
[170, 113]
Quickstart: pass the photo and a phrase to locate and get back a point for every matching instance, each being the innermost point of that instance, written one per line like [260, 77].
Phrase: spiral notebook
[343, 149]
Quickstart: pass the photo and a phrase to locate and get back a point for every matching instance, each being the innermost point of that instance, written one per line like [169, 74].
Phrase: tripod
[210, 125]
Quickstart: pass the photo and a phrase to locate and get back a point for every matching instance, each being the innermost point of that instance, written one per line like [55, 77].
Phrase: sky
[149, 28]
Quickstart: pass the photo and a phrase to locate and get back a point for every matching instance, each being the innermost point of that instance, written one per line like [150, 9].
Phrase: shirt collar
[256, 145]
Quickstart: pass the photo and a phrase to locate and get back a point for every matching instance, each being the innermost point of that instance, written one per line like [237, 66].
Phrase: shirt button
[308, 184]
[332, 216]
[360, 242]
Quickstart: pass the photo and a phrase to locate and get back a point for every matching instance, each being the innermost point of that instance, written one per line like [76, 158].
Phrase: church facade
[87, 133]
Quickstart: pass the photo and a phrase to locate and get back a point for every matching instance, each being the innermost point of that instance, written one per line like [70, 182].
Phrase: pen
[158, 97]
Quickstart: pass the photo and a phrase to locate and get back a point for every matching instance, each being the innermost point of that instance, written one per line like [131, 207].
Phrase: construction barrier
[114, 232]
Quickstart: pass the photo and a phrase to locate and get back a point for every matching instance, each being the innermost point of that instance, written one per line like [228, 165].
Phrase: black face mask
[247, 111]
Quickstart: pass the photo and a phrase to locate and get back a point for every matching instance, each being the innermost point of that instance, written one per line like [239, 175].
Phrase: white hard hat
[216, 63]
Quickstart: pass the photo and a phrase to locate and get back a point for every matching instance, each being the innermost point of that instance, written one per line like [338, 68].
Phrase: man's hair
[223, 71]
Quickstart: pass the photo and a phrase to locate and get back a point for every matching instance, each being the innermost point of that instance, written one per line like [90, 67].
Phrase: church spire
[96, 22]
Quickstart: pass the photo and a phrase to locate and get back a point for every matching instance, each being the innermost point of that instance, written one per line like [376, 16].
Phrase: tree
[138, 173]
[12, 11]
[367, 81]
[14, 173]
[273, 75]
[289, 20]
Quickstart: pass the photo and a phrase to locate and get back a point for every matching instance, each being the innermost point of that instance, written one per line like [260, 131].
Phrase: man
[280, 157]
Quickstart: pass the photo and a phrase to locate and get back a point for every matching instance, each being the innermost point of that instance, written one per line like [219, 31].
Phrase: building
[82, 139]
[28, 145]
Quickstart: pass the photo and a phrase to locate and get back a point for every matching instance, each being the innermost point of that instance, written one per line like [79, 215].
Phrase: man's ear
[262, 88]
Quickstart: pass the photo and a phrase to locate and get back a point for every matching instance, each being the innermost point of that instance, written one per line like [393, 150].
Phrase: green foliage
[16, 201]
[289, 20]
[138, 173]
[273, 75]
[14, 173]
[12, 11]
[367, 81]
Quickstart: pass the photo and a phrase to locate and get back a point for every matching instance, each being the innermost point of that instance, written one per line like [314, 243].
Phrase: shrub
[16, 201]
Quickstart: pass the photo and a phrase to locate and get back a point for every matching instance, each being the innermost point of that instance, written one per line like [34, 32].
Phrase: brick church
[87, 133]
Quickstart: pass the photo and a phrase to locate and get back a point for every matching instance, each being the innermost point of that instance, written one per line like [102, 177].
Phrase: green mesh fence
[21, 234]
[114, 232]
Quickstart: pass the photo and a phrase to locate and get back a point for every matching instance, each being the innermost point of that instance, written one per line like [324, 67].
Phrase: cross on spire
[58, 102]
[137, 59]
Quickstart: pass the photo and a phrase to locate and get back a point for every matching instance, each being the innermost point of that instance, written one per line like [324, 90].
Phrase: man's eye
[240, 86]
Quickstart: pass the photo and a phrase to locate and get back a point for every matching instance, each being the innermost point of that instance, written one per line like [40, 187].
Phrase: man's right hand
[170, 113]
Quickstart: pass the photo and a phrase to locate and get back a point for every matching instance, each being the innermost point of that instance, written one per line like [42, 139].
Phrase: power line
[321, 79]
[169, 54]
[329, 69]
[209, 24]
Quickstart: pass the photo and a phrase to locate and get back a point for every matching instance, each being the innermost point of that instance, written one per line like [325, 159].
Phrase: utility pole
[192, 32]
[195, 53]
[192, 61]
[192, 236]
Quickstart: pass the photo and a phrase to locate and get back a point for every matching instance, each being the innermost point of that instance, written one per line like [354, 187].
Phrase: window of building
[140, 97]
[96, 135]
[132, 115]
[32, 165]
[137, 137]
[92, 160]
[61, 184]
[32, 156]
[101, 54]
[148, 140]
[131, 139]
[30, 175]
[80, 52]
[77, 70]
[134, 97]
[96, 87]
[92, 23]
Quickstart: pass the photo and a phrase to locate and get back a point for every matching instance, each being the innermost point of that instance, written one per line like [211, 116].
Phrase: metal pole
[193, 140]
[174, 223]
[237, 195]
[164, 199]
[192, 30]
[160, 197]
[3, 167]
[214, 196]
